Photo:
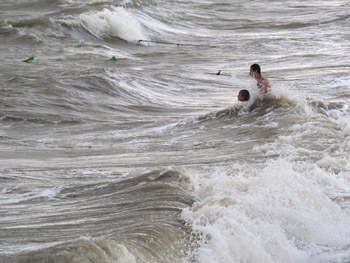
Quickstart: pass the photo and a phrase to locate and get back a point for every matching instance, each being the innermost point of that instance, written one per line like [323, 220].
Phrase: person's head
[254, 70]
[243, 95]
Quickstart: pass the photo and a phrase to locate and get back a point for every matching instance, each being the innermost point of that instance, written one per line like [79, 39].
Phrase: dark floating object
[28, 60]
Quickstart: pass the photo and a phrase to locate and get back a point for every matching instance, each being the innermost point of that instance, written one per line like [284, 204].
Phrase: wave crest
[115, 22]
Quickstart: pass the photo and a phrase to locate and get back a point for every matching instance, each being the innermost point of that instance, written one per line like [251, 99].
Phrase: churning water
[120, 143]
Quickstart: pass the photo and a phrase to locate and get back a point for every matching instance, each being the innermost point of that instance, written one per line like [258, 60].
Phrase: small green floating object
[113, 58]
[30, 59]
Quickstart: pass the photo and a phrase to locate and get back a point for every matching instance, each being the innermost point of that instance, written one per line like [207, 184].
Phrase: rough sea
[121, 143]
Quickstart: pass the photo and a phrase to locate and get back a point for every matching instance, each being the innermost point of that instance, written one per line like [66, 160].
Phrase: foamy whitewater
[120, 142]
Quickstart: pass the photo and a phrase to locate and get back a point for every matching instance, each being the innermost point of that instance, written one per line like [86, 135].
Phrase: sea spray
[274, 214]
[114, 22]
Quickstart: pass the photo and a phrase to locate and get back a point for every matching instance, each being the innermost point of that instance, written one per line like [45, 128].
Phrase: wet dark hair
[256, 67]
[245, 93]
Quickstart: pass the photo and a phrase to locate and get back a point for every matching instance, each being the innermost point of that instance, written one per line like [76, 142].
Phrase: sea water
[149, 157]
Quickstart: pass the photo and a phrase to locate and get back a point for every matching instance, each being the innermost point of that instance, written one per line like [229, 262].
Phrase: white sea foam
[114, 22]
[9, 196]
[274, 214]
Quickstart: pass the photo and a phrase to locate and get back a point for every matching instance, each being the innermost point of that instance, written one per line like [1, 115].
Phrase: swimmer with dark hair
[262, 82]
[243, 95]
